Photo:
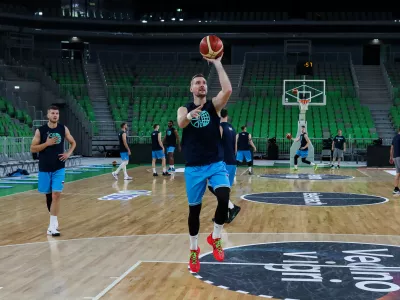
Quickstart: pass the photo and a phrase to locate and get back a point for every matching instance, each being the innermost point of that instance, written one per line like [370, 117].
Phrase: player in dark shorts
[338, 148]
[395, 158]
[124, 152]
[49, 143]
[303, 150]
[172, 140]
[204, 155]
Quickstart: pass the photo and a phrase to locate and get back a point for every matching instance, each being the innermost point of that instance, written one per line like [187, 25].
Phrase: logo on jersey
[202, 120]
[55, 135]
[169, 132]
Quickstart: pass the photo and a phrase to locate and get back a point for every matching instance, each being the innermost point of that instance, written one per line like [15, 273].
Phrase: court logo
[307, 176]
[125, 195]
[202, 120]
[316, 199]
[307, 270]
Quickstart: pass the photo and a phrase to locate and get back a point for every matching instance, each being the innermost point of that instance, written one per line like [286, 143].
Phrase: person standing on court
[244, 141]
[171, 139]
[338, 148]
[395, 158]
[49, 143]
[204, 155]
[124, 152]
[157, 151]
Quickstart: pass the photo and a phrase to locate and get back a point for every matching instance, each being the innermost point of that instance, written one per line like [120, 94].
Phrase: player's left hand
[64, 156]
[212, 60]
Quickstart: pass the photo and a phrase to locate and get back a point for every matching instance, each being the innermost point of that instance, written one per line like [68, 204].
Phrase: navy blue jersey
[122, 147]
[303, 141]
[170, 137]
[339, 141]
[396, 146]
[49, 157]
[201, 138]
[228, 143]
[155, 145]
[243, 141]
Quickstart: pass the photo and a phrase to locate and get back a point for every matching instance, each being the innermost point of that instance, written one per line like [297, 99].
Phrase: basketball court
[129, 240]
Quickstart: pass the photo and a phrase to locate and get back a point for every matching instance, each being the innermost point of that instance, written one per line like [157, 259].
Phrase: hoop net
[304, 104]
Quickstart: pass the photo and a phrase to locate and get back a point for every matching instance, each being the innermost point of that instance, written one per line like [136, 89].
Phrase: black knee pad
[296, 156]
[49, 200]
[194, 219]
[238, 163]
[221, 213]
[250, 163]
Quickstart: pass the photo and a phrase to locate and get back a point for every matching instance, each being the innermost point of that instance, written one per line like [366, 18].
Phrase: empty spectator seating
[394, 78]
[14, 122]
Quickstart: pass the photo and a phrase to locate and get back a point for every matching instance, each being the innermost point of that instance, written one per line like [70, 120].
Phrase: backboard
[297, 89]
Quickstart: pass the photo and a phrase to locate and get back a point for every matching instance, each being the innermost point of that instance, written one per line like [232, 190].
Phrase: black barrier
[141, 154]
[378, 156]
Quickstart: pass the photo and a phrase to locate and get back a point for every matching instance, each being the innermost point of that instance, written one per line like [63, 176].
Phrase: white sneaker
[56, 225]
[115, 175]
[53, 232]
[127, 178]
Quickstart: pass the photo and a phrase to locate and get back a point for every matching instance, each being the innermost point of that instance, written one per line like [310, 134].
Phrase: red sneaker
[194, 262]
[217, 247]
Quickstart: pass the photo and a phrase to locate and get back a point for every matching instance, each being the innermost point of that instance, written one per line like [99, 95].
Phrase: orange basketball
[211, 46]
[295, 91]
[289, 136]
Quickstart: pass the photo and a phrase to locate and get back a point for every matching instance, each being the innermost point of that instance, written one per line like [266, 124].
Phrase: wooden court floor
[138, 248]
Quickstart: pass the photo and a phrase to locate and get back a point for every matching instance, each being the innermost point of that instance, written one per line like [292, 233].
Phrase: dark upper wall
[238, 49]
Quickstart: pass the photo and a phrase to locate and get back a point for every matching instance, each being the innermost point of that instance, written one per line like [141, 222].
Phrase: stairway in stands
[234, 72]
[375, 95]
[107, 133]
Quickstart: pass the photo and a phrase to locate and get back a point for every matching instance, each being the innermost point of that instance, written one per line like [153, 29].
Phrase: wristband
[189, 116]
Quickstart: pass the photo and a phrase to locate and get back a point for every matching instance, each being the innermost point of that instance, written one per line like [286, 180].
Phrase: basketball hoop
[304, 104]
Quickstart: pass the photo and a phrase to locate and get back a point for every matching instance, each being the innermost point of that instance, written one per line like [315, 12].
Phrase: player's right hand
[196, 112]
[391, 161]
[51, 141]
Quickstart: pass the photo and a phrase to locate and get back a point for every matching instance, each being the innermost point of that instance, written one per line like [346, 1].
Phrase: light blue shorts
[158, 154]
[302, 153]
[51, 181]
[243, 154]
[196, 180]
[124, 155]
[170, 149]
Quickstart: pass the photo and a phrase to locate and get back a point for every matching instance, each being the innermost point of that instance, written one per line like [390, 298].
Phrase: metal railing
[353, 145]
[277, 90]
[322, 57]
[15, 145]
[387, 80]
[354, 75]
[129, 58]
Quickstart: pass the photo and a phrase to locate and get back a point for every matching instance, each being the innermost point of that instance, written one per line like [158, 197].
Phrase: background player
[124, 152]
[395, 158]
[157, 152]
[303, 150]
[244, 141]
[171, 139]
[49, 143]
[229, 144]
[202, 147]
[338, 148]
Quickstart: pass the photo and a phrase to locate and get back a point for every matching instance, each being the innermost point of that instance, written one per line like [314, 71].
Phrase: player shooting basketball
[303, 150]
